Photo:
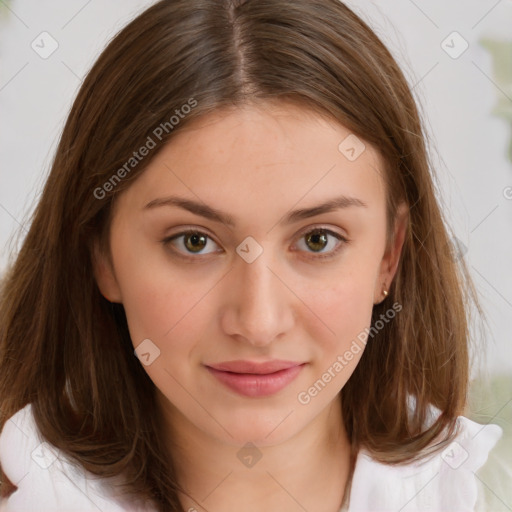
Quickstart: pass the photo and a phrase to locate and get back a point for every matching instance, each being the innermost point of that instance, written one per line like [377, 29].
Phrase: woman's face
[250, 325]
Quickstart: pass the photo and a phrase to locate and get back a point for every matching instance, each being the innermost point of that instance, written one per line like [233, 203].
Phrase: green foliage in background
[501, 52]
[490, 401]
[4, 11]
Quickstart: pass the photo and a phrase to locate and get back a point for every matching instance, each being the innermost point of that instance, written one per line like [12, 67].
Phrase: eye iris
[318, 239]
[195, 238]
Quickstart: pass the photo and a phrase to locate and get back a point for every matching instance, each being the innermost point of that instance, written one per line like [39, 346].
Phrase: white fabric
[48, 482]
[445, 482]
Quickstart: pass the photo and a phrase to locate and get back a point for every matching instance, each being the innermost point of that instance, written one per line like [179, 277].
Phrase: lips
[254, 367]
[255, 379]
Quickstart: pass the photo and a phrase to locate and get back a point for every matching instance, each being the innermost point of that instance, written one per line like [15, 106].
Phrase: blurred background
[457, 57]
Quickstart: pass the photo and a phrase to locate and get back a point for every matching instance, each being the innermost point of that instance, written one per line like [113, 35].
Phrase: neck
[308, 471]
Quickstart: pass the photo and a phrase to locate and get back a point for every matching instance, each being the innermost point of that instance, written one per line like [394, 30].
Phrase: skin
[256, 163]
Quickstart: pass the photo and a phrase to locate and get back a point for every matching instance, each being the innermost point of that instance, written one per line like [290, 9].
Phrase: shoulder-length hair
[67, 350]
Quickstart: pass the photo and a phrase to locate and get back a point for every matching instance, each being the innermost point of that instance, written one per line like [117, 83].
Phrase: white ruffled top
[48, 482]
[444, 482]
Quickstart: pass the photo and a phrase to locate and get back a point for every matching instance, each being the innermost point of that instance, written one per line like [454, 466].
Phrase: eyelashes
[193, 244]
[192, 238]
[319, 237]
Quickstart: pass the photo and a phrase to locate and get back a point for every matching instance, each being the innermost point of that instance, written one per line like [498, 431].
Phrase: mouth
[254, 379]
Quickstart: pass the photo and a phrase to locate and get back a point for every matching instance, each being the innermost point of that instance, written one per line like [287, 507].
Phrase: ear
[391, 258]
[104, 274]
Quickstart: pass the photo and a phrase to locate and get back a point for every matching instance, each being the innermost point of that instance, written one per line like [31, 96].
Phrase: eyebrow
[216, 215]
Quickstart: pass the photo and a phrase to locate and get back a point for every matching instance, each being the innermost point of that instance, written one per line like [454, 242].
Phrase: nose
[258, 306]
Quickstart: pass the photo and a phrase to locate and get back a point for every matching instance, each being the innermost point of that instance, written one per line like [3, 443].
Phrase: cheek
[343, 308]
[344, 316]
[158, 301]
[347, 314]
[164, 310]
[339, 330]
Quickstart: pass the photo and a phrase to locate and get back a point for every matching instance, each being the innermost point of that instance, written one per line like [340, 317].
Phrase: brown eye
[321, 242]
[317, 240]
[195, 242]
[191, 242]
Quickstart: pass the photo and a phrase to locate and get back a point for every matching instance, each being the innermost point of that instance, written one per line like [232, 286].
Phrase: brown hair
[67, 350]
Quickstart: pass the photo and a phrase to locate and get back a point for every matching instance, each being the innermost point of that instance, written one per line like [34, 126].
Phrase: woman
[238, 291]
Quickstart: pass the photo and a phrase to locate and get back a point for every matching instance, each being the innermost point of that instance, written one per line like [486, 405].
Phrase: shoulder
[494, 479]
[445, 481]
[46, 480]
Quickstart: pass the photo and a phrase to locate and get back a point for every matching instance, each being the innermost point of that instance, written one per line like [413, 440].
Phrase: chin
[258, 427]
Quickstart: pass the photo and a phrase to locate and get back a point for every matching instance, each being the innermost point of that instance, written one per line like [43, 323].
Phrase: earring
[385, 292]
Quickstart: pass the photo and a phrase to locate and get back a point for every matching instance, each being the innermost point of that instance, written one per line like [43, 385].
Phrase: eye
[192, 241]
[321, 240]
[318, 242]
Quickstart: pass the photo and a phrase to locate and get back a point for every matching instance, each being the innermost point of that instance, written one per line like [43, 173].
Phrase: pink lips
[256, 379]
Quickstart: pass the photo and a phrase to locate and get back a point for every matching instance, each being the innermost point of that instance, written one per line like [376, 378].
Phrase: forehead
[262, 154]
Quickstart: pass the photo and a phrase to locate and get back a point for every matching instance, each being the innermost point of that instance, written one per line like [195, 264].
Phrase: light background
[459, 99]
